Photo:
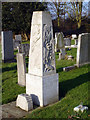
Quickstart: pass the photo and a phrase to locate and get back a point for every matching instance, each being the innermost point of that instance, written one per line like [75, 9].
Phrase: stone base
[24, 101]
[43, 89]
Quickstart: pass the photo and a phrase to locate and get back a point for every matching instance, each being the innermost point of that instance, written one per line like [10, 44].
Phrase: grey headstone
[24, 48]
[7, 45]
[67, 41]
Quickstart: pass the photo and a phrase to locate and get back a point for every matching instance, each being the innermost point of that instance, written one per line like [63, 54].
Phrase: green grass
[73, 88]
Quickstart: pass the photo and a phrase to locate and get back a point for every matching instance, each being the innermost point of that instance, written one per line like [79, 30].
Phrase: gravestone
[17, 41]
[24, 48]
[21, 68]
[41, 79]
[7, 45]
[18, 38]
[67, 41]
[59, 41]
[83, 49]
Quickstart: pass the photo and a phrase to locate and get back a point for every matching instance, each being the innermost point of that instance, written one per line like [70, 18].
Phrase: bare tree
[74, 11]
[57, 9]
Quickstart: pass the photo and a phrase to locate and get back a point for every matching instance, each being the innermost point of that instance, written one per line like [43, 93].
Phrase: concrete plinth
[43, 89]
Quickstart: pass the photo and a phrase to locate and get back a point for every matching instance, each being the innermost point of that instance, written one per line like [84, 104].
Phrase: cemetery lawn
[73, 89]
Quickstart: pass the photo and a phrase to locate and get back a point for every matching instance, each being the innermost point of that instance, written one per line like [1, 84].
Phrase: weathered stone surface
[18, 38]
[59, 41]
[24, 48]
[21, 69]
[42, 69]
[43, 89]
[67, 41]
[24, 101]
[16, 43]
[7, 45]
[83, 49]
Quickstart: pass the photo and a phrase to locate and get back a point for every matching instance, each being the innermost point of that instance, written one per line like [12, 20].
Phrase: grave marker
[83, 49]
[42, 80]
[7, 45]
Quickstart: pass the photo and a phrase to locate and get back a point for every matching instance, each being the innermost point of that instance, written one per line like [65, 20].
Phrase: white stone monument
[41, 79]
[83, 49]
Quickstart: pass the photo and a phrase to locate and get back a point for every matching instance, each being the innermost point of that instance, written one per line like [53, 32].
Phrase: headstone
[42, 80]
[24, 101]
[21, 68]
[59, 41]
[83, 49]
[67, 41]
[17, 41]
[18, 38]
[7, 45]
[24, 48]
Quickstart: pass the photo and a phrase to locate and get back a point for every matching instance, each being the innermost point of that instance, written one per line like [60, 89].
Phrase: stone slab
[12, 112]
[83, 50]
[43, 89]
[18, 38]
[68, 68]
[7, 45]
[24, 101]
[21, 69]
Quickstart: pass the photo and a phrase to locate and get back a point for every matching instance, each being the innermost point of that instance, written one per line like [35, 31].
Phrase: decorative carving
[48, 57]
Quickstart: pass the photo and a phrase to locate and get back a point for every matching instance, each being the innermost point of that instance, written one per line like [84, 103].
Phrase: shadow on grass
[66, 86]
[9, 68]
[59, 70]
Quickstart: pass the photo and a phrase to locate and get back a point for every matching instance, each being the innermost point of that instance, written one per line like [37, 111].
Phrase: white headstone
[42, 80]
[21, 69]
[83, 49]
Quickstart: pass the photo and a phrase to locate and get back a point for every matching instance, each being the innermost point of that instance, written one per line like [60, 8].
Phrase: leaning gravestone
[83, 49]
[21, 68]
[7, 45]
[42, 80]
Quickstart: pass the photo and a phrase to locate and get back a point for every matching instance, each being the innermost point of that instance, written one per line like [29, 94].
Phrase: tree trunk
[79, 23]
